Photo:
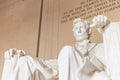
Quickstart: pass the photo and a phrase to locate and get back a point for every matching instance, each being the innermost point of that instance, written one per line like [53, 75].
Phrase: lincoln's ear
[89, 31]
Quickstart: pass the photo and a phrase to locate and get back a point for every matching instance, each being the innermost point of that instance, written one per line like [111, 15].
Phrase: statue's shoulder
[65, 52]
[99, 52]
[67, 47]
[96, 48]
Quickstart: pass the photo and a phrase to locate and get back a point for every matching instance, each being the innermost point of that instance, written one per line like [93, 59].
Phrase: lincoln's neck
[82, 46]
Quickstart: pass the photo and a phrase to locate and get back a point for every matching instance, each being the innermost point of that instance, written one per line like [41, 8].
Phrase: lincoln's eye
[75, 28]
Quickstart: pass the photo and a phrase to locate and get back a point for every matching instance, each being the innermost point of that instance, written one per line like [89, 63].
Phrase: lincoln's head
[81, 29]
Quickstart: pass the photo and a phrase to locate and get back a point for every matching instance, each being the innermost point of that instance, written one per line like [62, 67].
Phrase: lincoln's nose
[79, 31]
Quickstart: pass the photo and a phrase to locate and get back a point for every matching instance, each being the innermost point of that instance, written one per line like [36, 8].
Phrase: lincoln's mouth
[79, 34]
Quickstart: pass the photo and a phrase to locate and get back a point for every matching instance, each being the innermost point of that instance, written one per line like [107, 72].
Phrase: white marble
[83, 61]
[21, 66]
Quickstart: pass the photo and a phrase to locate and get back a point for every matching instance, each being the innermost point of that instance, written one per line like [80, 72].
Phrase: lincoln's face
[80, 31]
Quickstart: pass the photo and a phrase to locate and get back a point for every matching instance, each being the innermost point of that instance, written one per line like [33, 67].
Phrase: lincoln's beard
[81, 37]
